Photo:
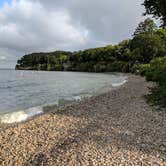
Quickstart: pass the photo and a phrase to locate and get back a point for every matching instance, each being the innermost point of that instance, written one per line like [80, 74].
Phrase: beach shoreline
[117, 127]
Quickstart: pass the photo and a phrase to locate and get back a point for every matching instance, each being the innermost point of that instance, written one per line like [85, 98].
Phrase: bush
[158, 95]
[142, 69]
[156, 71]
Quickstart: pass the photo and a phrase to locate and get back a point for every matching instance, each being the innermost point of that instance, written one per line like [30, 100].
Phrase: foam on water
[80, 97]
[119, 84]
[19, 116]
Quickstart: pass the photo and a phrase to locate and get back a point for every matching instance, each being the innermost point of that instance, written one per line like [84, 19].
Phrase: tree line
[148, 42]
[144, 54]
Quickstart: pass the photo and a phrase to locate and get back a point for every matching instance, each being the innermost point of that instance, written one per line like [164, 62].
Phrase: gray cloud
[45, 25]
[106, 20]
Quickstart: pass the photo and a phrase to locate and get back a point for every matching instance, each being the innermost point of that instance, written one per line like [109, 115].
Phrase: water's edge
[24, 115]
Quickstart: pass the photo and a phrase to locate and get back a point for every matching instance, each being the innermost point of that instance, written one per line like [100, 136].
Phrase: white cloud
[2, 57]
[28, 26]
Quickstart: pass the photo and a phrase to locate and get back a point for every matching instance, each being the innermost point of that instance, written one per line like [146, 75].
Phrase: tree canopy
[157, 8]
[148, 43]
[146, 26]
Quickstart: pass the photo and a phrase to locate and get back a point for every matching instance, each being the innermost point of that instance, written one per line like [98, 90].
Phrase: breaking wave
[53, 89]
[119, 84]
[19, 116]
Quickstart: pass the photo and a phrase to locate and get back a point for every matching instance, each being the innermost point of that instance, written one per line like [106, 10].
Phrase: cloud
[28, 26]
[107, 21]
[41, 25]
[2, 57]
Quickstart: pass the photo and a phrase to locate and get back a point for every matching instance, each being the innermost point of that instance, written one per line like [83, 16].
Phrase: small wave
[81, 97]
[77, 98]
[19, 116]
[119, 84]
[13, 86]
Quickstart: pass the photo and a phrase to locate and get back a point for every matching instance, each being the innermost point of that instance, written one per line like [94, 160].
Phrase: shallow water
[24, 93]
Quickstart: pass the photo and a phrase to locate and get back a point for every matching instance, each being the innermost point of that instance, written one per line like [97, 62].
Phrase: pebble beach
[115, 128]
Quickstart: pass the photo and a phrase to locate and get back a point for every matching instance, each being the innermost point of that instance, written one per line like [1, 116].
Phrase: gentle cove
[23, 94]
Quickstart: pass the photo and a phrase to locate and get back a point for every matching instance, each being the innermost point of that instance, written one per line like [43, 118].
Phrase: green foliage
[44, 61]
[143, 69]
[158, 95]
[156, 71]
[123, 57]
[145, 47]
[162, 34]
[157, 8]
[147, 26]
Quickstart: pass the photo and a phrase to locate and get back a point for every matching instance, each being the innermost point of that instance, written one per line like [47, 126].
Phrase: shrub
[142, 69]
[156, 71]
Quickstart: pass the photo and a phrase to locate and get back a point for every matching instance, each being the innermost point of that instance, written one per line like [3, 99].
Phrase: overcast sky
[46, 25]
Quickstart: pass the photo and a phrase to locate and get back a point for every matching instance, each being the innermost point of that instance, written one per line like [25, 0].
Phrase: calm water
[27, 91]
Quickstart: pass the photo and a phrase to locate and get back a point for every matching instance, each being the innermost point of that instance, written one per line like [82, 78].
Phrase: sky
[2, 2]
[28, 26]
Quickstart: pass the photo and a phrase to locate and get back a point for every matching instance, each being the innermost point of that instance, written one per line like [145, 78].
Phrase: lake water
[23, 94]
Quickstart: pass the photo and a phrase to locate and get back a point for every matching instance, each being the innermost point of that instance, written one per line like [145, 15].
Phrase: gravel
[115, 128]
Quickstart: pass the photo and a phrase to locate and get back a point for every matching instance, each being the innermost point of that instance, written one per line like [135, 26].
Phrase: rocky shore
[115, 128]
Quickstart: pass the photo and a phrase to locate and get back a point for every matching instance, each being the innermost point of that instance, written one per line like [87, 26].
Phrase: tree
[156, 71]
[147, 26]
[144, 47]
[157, 8]
[162, 33]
